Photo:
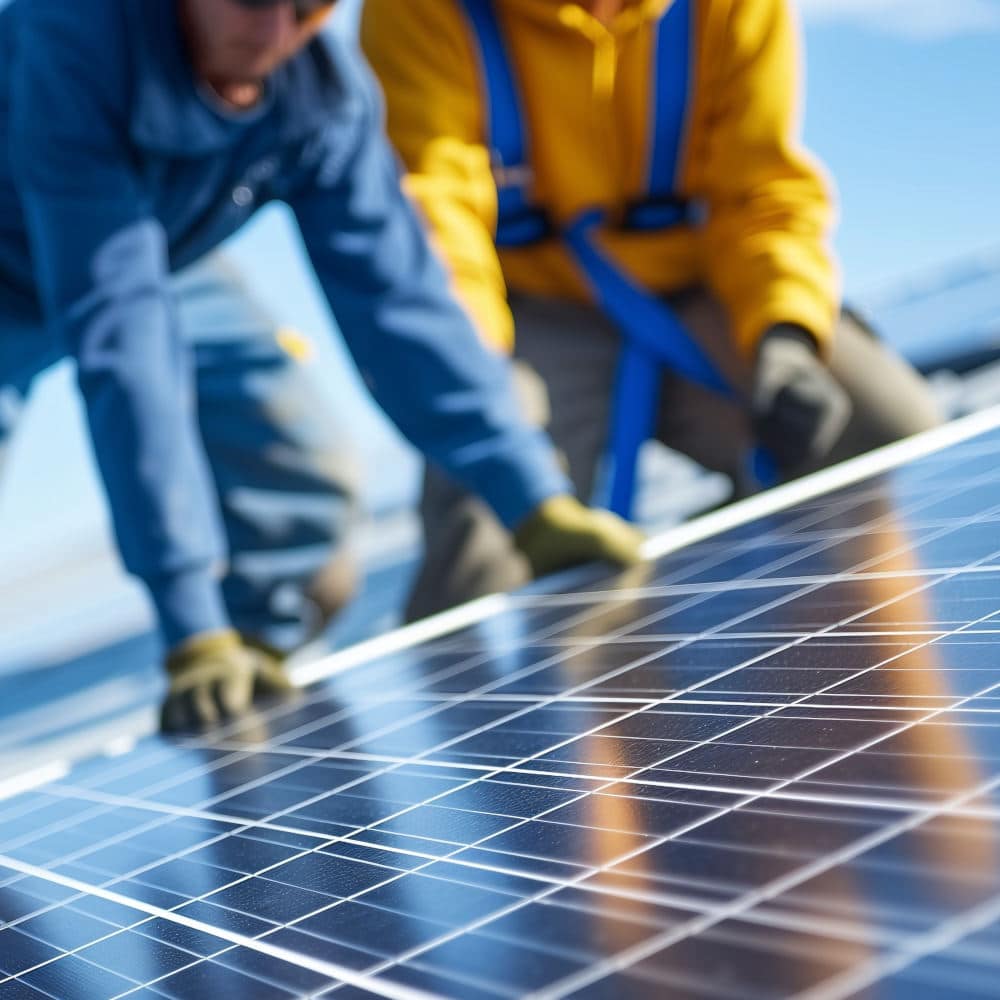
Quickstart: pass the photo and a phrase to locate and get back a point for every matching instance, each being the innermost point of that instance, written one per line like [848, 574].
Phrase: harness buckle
[668, 211]
[527, 226]
[519, 175]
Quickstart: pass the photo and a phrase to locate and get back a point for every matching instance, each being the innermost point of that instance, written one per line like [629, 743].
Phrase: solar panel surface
[765, 765]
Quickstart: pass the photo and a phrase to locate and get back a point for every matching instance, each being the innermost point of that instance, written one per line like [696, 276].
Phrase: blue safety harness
[653, 337]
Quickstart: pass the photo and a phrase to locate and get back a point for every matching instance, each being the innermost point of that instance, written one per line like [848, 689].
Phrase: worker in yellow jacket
[617, 188]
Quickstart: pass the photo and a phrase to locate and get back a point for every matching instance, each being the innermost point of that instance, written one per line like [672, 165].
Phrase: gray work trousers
[566, 359]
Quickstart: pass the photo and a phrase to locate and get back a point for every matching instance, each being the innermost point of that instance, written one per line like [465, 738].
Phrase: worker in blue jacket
[137, 135]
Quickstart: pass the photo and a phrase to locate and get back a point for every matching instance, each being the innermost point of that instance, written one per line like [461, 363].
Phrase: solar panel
[766, 764]
[945, 317]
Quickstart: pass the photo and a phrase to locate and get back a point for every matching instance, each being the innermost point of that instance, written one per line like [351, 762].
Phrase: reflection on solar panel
[770, 767]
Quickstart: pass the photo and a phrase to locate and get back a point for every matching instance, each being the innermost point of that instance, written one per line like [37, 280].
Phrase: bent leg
[285, 479]
[467, 551]
[711, 429]
[890, 399]
[565, 363]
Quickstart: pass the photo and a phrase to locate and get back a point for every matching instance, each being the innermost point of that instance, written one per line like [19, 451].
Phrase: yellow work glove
[214, 677]
[561, 532]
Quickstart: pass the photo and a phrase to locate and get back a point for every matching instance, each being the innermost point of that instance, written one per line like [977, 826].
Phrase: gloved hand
[799, 409]
[214, 677]
[561, 532]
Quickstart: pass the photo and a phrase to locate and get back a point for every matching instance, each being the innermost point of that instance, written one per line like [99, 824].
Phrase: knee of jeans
[299, 429]
[291, 528]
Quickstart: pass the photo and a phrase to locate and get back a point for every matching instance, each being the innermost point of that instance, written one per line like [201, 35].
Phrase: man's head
[238, 43]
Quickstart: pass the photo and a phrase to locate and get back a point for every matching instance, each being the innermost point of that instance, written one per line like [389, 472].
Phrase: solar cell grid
[766, 765]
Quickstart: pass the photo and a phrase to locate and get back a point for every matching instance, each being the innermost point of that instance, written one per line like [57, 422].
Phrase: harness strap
[646, 321]
[672, 61]
[519, 221]
[652, 336]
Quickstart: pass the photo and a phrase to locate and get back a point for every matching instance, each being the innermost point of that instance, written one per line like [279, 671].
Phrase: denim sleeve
[415, 346]
[100, 261]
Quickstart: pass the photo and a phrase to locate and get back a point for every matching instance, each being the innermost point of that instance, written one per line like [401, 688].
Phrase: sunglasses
[304, 9]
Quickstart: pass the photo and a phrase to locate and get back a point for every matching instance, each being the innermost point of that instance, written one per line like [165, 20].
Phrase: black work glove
[213, 678]
[799, 410]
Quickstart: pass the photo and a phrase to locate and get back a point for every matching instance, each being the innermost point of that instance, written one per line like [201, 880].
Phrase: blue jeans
[286, 483]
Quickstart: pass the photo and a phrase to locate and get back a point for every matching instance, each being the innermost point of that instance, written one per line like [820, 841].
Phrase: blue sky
[901, 104]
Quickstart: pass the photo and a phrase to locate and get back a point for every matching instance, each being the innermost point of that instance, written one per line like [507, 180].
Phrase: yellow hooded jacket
[587, 91]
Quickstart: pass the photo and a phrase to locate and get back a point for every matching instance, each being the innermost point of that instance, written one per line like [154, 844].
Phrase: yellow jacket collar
[566, 13]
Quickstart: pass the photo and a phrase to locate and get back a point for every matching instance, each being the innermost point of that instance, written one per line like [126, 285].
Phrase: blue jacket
[115, 171]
